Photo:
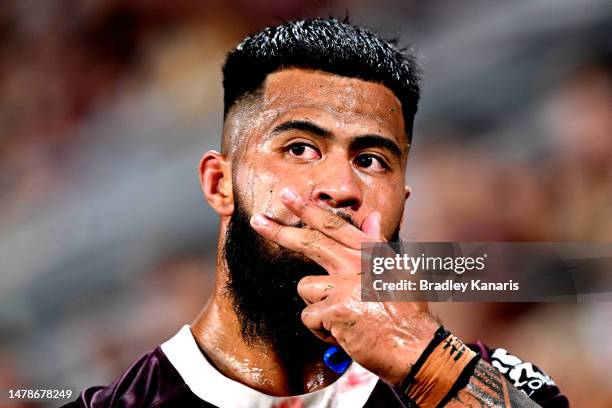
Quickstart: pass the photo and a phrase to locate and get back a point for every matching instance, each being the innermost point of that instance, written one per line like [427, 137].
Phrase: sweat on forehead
[332, 100]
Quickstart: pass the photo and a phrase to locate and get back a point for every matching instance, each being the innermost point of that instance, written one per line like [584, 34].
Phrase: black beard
[263, 287]
[262, 284]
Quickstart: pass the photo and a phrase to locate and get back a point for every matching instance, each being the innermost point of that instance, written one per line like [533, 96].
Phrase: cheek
[389, 201]
[259, 187]
[255, 187]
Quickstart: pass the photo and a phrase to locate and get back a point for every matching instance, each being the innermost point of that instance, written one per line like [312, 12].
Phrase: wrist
[414, 347]
[445, 364]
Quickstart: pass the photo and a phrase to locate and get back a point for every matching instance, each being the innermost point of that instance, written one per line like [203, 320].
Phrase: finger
[371, 225]
[323, 220]
[313, 289]
[312, 243]
[312, 318]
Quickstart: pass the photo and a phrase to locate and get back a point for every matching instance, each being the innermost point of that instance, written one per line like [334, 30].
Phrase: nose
[338, 187]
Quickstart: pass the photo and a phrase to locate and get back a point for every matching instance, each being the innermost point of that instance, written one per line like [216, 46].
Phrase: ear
[216, 182]
[407, 192]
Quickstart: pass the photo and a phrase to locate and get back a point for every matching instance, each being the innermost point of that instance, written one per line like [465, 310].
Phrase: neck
[217, 332]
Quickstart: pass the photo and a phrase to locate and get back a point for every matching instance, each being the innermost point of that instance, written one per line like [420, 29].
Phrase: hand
[384, 337]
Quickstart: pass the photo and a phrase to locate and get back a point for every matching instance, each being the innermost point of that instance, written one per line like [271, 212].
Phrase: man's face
[336, 140]
[340, 141]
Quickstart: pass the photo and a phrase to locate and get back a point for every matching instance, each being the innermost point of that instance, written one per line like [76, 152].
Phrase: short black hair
[325, 44]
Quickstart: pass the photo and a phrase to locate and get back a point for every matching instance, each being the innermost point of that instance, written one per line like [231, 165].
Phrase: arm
[384, 337]
[487, 387]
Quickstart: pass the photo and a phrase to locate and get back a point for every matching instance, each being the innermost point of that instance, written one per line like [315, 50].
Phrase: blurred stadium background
[107, 247]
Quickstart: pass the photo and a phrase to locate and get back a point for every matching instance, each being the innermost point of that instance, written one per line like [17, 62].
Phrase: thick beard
[263, 287]
[262, 284]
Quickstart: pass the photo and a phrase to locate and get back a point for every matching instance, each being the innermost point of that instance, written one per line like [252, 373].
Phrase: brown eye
[370, 162]
[303, 151]
[297, 150]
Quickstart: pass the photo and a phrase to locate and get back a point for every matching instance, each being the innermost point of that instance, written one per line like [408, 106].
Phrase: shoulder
[151, 381]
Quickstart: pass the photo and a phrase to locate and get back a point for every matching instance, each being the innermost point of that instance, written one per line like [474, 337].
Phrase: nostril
[327, 199]
[346, 203]
[354, 204]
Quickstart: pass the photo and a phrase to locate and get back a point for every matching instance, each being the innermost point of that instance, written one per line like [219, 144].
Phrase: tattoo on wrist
[489, 388]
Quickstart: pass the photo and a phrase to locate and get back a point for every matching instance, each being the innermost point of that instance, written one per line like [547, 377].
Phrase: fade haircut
[329, 45]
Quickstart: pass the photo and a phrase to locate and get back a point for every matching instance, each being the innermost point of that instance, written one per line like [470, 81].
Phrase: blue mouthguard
[336, 359]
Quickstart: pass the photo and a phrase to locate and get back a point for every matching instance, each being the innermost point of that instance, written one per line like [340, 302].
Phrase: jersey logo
[525, 376]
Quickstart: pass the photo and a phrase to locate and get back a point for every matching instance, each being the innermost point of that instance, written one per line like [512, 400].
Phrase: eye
[370, 162]
[303, 151]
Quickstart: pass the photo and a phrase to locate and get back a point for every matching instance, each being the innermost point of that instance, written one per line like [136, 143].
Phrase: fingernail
[377, 217]
[259, 220]
[288, 194]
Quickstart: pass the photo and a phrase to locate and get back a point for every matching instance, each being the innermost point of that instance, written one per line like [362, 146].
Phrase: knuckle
[308, 316]
[277, 232]
[341, 311]
[305, 281]
[304, 284]
[332, 222]
[336, 332]
[310, 239]
[328, 325]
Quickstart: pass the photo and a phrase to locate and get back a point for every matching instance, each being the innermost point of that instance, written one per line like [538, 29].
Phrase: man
[318, 121]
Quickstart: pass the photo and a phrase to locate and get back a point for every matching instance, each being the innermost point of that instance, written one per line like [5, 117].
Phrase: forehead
[348, 102]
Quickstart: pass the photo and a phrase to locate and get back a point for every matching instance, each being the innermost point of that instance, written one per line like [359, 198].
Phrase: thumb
[371, 225]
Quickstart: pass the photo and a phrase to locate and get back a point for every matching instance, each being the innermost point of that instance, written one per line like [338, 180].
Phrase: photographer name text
[447, 285]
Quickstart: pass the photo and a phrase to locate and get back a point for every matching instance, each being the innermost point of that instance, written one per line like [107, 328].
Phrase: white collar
[352, 389]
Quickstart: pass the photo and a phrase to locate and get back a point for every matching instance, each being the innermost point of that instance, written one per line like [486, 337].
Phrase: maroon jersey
[176, 374]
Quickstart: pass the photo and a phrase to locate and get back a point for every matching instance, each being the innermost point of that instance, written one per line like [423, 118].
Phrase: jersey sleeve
[150, 382]
[524, 375]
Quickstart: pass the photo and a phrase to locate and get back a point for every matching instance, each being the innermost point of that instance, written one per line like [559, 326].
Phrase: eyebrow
[357, 143]
[365, 141]
[303, 125]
